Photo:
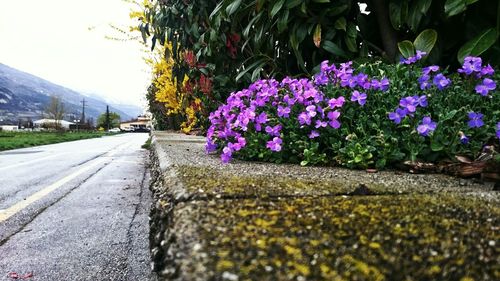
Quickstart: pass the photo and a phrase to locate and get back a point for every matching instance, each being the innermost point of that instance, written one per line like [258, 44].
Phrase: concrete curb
[198, 202]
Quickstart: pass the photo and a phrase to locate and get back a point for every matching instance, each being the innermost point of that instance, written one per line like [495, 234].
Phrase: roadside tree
[55, 110]
[114, 120]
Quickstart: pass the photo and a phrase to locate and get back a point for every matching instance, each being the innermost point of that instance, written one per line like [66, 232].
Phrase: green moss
[217, 182]
[414, 237]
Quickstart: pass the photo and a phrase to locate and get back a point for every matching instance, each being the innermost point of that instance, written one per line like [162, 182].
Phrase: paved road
[76, 210]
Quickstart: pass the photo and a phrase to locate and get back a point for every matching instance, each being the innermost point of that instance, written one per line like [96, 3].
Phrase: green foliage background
[237, 42]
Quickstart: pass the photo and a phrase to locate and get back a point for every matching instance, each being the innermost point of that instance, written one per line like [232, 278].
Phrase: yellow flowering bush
[170, 93]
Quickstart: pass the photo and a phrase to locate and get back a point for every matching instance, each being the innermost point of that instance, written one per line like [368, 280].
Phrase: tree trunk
[387, 32]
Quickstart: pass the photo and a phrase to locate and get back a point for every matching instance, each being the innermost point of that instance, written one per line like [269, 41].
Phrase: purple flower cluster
[473, 66]
[426, 126]
[498, 130]
[408, 106]
[411, 60]
[485, 87]
[439, 80]
[265, 105]
[475, 120]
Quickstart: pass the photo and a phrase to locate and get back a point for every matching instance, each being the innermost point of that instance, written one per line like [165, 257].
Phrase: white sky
[51, 39]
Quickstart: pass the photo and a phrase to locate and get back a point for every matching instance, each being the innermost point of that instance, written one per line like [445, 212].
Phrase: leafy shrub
[359, 116]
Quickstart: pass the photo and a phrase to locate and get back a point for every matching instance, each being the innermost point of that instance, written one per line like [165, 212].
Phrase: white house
[8, 128]
[51, 123]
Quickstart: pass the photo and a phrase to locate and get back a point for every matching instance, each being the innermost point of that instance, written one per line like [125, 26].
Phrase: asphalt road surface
[76, 211]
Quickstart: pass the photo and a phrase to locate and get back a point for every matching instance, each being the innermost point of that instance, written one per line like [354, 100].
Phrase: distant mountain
[23, 95]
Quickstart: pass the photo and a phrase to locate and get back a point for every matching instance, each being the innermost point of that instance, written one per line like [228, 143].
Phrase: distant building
[141, 123]
[9, 128]
[50, 123]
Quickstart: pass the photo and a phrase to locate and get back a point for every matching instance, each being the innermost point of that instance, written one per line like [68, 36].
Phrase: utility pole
[83, 111]
[107, 117]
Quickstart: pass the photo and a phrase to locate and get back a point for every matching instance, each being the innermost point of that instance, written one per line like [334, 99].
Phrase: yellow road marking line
[14, 209]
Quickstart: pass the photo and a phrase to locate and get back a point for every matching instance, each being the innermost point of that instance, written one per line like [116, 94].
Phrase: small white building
[9, 128]
[51, 123]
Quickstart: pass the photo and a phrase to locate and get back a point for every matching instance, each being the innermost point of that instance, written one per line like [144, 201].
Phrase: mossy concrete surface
[260, 221]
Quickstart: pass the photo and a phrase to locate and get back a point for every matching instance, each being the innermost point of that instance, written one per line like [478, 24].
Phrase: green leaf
[337, 10]
[276, 8]
[418, 9]
[436, 145]
[340, 24]
[351, 44]
[283, 21]
[256, 72]
[351, 30]
[317, 35]
[406, 48]
[259, 63]
[358, 158]
[395, 14]
[321, 1]
[331, 47]
[426, 40]
[246, 30]
[424, 5]
[233, 7]
[293, 3]
[216, 9]
[454, 7]
[478, 45]
[449, 115]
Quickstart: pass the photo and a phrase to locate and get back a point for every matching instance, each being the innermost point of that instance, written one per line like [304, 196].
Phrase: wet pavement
[76, 211]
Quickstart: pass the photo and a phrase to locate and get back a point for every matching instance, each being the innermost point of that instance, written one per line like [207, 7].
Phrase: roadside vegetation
[367, 85]
[13, 140]
[147, 144]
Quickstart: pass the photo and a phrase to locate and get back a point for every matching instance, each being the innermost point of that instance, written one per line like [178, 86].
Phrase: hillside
[23, 95]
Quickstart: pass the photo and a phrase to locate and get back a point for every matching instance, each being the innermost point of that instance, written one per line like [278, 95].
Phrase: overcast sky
[64, 42]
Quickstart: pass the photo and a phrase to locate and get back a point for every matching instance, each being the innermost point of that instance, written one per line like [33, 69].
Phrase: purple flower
[441, 81]
[259, 120]
[359, 97]
[333, 116]
[487, 71]
[471, 65]
[273, 131]
[485, 87]
[336, 102]
[210, 146]
[426, 126]
[463, 138]
[226, 155]
[475, 120]
[321, 79]
[429, 69]
[275, 144]
[424, 82]
[283, 111]
[498, 130]
[311, 110]
[409, 103]
[321, 124]
[413, 59]
[313, 134]
[396, 116]
[421, 101]
[304, 118]
[384, 84]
